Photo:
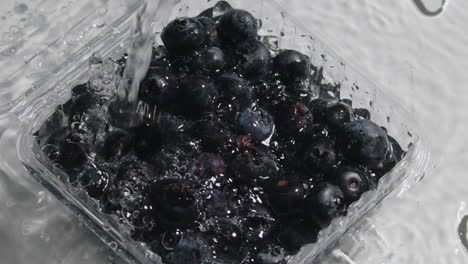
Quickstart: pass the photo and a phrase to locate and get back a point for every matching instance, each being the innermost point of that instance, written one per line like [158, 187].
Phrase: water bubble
[99, 23]
[113, 245]
[220, 8]
[170, 239]
[272, 42]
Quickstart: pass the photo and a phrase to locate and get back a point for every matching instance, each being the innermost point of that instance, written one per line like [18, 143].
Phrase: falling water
[422, 7]
[123, 111]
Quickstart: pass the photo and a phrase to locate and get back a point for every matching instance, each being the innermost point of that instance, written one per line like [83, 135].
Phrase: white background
[424, 61]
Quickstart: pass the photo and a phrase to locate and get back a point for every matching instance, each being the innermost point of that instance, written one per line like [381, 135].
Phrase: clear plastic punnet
[33, 103]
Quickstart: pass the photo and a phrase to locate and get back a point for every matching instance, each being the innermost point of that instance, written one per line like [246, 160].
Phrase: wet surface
[421, 59]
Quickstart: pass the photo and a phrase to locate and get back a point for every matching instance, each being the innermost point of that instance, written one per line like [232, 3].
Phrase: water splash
[123, 110]
[422, 7]
[139, 52]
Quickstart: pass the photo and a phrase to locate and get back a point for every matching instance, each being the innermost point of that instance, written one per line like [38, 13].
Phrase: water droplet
[422, 6]
[463, 231]
[170, 239]
[113, 245]
[20, 8]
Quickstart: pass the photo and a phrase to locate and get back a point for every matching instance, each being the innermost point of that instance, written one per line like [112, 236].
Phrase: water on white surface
[421, 59]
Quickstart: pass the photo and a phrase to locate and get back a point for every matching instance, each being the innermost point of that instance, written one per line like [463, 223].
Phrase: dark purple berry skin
[183, 36]
[352, 181]
[286, 196]
[198, 95]
[172, 130]
[394, 155]
[235, 91]
[95, 180]
[214, 203]
[146, 141]
[174, 203]
[254, 167]
[293, 118]
[116, 144]
[295, 233]
[158, 87]
[292, 66]
[228, 240]
[192, 249]
[209, 165]
[318, 107]
[236, 26]
[325, 204]
[257, 123]
[82, 103]
[362, 113]
[69, 154]
[272, 254]
[338, 114]
[364, 142]
[254, 60]
[210, 62]
[315, 132]
[320, 155]
[213, 134]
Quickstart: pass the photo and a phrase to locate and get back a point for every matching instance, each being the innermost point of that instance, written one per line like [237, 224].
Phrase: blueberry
[397, 151]
[286, 196]
[315, 132]
[214, 202]
[254, 167]
[218, 9]
[80, 89]
[69, 153]
[174, 202]
[95, 180]
[183, 36]
[320, 155]
[81, 104]
[198, 96]
[158, 88]
[292, 66]
[352, 181]
[236, 91]
[133, 169]
[347, 102]
[146, 141]
[259, 223]
[213, 134]
[209, 61]
[293, 118]
[394, 155]
[295, 233]
[325, 204]
[209, 165]
[116, 144]
[362, 113]
[228, 240]
[254, 60]
[273, 254]
[257, 122]
[318, 107]
[172, 130]
[364, 142]
[192, 249]
[174, 162]
[338, 114]
[236, 26]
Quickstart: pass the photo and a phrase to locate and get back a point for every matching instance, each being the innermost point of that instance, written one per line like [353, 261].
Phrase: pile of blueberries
[237, 162]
